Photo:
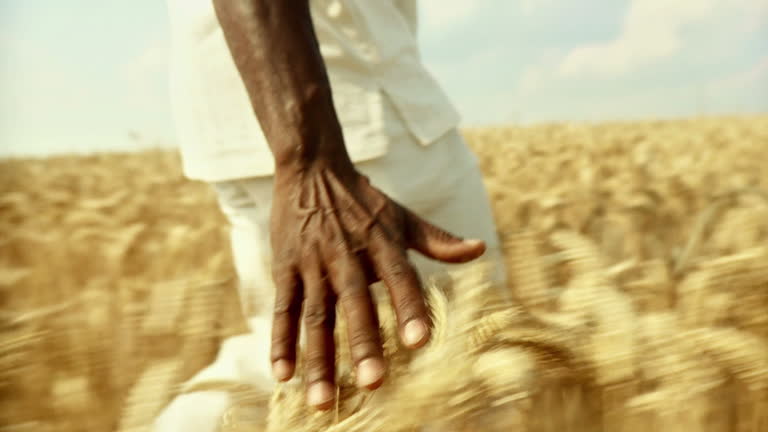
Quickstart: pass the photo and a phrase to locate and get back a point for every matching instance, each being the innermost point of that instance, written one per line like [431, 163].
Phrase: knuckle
[379, 233]
[339, 247]
[408, 306]
[308, 253]
[318, 367]
[282, 342]
[353, 299]
[284, 277]
[317, 316]
[350, 283]
[398, 269]
[364, 340]
[285, 306]
[284, 254]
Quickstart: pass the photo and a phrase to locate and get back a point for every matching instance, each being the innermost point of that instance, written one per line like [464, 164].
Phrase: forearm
[276, 52]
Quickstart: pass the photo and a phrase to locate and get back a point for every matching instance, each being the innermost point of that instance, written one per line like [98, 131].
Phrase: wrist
[313, 137]
[335, 160]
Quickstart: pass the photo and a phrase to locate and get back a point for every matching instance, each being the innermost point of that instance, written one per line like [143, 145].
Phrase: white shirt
[371, 53]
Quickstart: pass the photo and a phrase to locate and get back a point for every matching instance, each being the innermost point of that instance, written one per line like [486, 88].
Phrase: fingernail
[320, 394]
[415, 331]
[473, 242]
[370, 372]
[282, 369]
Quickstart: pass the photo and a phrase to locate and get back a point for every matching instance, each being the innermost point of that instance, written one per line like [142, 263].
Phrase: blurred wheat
[638, 263]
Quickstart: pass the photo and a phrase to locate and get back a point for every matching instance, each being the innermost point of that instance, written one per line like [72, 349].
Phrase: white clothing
[371, 52]
[399, 129]
[442, 183]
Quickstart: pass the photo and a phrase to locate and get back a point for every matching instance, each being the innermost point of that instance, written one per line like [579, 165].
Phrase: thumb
[438, 244]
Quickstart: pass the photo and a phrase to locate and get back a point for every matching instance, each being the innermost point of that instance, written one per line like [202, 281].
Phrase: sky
[91, 75]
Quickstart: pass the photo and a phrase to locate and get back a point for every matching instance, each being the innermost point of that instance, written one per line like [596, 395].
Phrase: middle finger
[351, 286]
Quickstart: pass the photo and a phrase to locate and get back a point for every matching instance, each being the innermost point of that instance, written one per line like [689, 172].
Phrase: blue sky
[87, 75]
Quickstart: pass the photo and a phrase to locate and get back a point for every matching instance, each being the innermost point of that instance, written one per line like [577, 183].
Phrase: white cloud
[652, 31]
[441, 15]
[529, 7]
[754, 13]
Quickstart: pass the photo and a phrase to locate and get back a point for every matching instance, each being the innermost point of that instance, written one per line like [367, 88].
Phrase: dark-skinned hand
[332, 234]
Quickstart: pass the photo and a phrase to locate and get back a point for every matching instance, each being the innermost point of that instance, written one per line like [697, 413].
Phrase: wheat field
[638, 262]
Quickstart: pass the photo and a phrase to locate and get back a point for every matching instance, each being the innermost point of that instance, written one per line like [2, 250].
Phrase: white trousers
[441, 183]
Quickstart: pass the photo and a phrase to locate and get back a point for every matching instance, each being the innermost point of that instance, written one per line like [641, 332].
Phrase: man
[340, 97]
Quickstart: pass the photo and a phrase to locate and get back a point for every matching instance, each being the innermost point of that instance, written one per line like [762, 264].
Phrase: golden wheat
[638, 264]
